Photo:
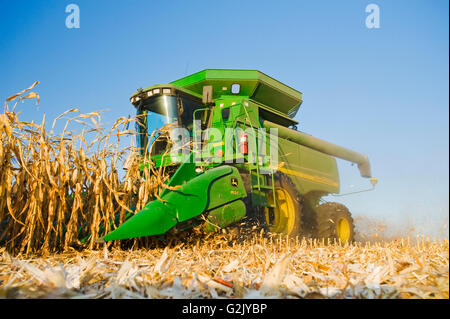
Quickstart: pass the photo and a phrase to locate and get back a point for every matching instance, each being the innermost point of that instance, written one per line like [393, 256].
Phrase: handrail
[257, 163]
[246, 115]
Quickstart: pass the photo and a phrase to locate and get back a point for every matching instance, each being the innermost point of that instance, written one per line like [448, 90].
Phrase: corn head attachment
[219, 192]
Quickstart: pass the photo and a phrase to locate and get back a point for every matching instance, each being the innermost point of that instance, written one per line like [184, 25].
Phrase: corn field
[60, 192]
[61, 188]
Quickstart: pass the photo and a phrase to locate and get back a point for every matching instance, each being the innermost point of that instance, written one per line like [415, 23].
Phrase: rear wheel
[334, 221]
[285, 217]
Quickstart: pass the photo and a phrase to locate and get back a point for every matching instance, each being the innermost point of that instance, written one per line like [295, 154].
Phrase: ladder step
[262, 187]
[266, 171]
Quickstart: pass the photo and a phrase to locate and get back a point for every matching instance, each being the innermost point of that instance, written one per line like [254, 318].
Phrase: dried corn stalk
[60, 188]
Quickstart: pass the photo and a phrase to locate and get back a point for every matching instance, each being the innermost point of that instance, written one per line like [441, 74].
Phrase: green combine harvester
[267, 170]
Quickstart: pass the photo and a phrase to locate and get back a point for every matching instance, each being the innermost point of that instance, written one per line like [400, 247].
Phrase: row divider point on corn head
[233, 151]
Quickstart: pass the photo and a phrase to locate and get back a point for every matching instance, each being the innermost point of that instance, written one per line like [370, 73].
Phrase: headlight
[156, 91]
[166, 91]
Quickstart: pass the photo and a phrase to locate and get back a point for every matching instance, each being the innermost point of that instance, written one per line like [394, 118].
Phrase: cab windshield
[157, 111]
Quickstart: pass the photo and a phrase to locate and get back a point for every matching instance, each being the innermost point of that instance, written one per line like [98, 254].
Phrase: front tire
[286, 217]
[335, 222]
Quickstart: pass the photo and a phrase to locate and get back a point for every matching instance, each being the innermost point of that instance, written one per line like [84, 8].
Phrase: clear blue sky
[383, 92]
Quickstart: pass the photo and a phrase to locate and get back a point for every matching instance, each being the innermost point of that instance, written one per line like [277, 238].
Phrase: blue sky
[383, 92]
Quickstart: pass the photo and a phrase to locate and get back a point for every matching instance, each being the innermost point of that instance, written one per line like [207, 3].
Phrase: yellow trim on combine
[218, 144]
[312, 178]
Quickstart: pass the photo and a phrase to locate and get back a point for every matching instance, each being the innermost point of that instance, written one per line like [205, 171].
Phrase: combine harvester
[275, 176]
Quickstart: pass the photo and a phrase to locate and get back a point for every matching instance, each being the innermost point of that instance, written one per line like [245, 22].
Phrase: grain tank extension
[241, 175]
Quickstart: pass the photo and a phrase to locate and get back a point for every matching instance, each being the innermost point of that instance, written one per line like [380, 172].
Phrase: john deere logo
[234, 182]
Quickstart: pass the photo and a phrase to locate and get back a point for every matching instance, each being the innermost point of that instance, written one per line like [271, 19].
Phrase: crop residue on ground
[218, 267]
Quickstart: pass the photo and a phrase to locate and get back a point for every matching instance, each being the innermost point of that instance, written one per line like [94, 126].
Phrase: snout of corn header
[154, 219]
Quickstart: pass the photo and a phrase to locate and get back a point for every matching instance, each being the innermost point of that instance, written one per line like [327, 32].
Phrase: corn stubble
[223, 267]
[58, 188]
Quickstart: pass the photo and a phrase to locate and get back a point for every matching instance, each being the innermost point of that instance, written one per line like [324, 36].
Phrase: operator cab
[157, 106]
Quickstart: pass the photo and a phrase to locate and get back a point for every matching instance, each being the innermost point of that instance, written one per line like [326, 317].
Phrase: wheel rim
[343, 230]
[283, 219]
